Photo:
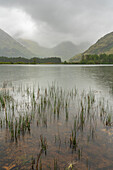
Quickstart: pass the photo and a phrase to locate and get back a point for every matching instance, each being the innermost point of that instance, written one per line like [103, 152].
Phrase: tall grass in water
[23, 107]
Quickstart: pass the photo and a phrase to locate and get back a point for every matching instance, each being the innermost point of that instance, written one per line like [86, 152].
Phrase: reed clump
[25, 110]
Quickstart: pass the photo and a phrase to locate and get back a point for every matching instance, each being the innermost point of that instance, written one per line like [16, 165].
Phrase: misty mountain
[68, 49]
[64, 50]
[9, 47]
[35, 47]
[103, 45]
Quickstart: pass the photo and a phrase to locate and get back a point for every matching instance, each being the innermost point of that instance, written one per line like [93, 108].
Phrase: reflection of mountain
[11, 48]
[102, 75]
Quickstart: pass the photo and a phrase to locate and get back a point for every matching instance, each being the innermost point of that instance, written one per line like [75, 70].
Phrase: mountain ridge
[11, 47]
[104, 45]
[65, 49]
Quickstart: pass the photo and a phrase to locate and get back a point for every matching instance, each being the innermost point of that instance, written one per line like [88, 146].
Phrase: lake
[56, 117]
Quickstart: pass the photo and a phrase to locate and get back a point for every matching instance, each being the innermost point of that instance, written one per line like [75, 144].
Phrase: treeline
[20, 60]
[97, 59]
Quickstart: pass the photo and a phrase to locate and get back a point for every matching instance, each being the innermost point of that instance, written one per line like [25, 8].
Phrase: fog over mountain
[51, 22]
[64, 50]
[11, 47]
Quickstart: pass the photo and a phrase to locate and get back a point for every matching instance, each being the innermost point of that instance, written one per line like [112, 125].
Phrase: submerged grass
[22, 107]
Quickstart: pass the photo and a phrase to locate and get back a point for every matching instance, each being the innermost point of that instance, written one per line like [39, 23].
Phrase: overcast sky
[50, 22]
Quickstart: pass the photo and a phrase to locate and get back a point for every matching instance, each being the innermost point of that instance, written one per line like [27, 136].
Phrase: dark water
[80, 117]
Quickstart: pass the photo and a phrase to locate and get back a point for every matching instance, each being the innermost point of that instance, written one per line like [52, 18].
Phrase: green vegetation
[20, 60]
[103, 46]
[97, 59]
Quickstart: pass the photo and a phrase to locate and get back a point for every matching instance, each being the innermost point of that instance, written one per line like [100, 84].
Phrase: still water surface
[66, 75]
[94, 145]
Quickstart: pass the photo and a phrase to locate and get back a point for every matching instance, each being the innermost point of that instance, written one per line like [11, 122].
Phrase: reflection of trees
[102, 74]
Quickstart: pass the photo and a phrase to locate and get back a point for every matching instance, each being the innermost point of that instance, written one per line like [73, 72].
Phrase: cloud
[50, 22]
[17, 22]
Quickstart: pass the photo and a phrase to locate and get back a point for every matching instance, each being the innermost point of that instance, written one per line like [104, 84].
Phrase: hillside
[64, 50]
[103, 45]
[11, 48]
[35, 47]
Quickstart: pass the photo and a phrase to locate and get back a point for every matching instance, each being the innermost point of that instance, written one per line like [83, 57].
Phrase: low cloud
[50, 22]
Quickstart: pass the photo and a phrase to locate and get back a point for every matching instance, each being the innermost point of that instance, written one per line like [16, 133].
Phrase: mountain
[9, 47]
[64, 50]
[103, 45]
[35, 47]
[75, 59]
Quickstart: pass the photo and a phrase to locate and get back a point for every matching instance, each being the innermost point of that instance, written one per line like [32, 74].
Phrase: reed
[23, 107]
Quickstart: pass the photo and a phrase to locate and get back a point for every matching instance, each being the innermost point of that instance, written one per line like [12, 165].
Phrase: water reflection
[67, 76]
[56, 127]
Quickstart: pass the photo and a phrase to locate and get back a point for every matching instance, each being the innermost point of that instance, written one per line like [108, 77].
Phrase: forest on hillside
[97, 59]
